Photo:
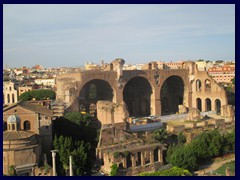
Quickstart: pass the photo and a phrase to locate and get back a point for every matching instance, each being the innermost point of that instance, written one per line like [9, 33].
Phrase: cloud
[110, 30]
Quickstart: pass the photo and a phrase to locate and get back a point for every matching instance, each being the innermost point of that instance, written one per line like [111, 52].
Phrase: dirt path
[214, 166]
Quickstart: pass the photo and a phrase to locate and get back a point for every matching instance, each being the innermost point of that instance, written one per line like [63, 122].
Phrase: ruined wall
[213, 92]
[110, 113]
[69, 86]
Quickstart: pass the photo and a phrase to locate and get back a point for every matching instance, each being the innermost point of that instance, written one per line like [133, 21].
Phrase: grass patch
[221, 170]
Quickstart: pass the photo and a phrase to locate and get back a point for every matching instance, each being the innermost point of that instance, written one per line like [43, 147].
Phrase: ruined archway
[199, 104]
[94, 91]
[218, 106]
[208, 104]
[171, 95]
[137, 96]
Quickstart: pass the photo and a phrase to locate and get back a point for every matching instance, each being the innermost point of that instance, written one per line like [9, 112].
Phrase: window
[207, 85]
[198, 85]
[8, 98]
[27, 125]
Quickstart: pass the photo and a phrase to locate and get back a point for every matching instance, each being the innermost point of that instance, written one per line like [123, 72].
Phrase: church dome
[13, 119]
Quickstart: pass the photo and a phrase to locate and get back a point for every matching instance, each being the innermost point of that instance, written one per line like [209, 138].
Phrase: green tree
[40, 94]
[12, 171]
[170, 151]
[184, 157]
[78, 118]
[229, 142]
[160, 135]
[219, 61]
[174, 171]
[233, 81]
[114, 170]
[66, 146]
[200, 147]
[216, 144]
[181, 138]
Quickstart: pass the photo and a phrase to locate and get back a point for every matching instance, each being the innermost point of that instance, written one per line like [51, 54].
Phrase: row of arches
[208, 105]
[137, 94]
[207, 85]
[26, 126]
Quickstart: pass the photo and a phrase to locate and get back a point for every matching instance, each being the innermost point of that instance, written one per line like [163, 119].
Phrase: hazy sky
[70, 35]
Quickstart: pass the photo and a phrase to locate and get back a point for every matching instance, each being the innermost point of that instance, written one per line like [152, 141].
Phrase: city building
[21, 148]
[222, 74]
[9, 93]
[34, 118]
[46, 82]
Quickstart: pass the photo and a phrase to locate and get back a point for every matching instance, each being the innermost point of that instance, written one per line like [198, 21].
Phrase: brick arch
[168, 97]
[138, 96]
[99, 84]
[208, 104]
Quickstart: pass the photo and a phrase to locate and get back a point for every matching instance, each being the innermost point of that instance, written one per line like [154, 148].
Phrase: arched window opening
[92, 92]
[199, 104]
[8, 98]
[10, 88]
[207, 85]
[208, 104]
[218, 106]
[171, 95]
[137, 96]
[198, 85]
[111, 67]
[13, 127]
[27, 126]
[13, 99]
[150, 66]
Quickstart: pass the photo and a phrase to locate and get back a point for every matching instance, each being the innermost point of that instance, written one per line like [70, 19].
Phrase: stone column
[142, 159]
[133, 160]
[160, 157]
[70, 165]
[54, 161]
[151, 157]
[124, 162]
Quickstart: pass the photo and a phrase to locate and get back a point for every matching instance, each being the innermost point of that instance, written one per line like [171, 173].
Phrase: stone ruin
[117, 145]
[193, 114]
[182, 109]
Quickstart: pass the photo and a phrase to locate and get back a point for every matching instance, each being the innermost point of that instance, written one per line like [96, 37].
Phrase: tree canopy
[78, 118]
[39, 94]
[160, 135]
[203, 148]
[66, 146]
[114, 170]
[174, 171]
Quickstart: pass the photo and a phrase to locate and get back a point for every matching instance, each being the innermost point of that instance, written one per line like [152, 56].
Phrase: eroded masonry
[114, 95]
